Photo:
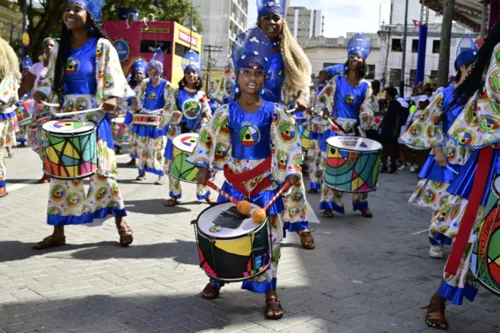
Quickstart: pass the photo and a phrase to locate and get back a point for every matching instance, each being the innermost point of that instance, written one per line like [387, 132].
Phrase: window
[394, 77]
[371, 72]
[436, 44]
[180, 50]
[150, 46]
[396, 45]
[414, 46]
[413, 77]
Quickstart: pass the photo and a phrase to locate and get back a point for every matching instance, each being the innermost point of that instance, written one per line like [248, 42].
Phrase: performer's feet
[312, 191]
[22, 144]
[50, 241]
[306, 239]
[9, 152]
[141, 176]
[328, 213]
[210, 292]
[273, 306]
[172, 202]
[436, 252]
[3, 192]
[210, 201]
[132, 162]
[160, 181]
[125, 232]
[117, 151]
[435, 313]
[366, 213]
[44, 180]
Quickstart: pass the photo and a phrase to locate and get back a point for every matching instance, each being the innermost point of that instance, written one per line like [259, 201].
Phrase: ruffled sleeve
[213, 148]
[167, 114]
[426, 130]
[287, 152]
[366, 112]
[478, 125]
[8, 90]
[111, 81]
[46, 83]
[326, 98]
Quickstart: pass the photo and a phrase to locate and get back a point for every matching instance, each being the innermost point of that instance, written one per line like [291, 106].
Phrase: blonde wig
[9, 64]
[297, 66]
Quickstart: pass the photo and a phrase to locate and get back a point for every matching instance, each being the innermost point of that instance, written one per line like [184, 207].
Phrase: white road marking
[420, 232]
[311, 215]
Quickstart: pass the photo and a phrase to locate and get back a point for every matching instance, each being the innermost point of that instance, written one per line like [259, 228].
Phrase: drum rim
[69, 178]
[69, 134]
[319, 119]
[354, 150]
[231, 238]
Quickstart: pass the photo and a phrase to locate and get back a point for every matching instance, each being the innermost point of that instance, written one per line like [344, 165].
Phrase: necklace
[189, 90]
[276, 43]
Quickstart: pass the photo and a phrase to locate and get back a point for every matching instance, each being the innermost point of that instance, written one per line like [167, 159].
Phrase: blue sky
[342, 16]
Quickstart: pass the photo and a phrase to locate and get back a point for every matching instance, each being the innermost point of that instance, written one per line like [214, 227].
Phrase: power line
[210, 48]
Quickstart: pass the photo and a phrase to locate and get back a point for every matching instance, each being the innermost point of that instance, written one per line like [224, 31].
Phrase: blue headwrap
[466, 52]
[140, 64]
[94, 7]
[26, 63]
[252, 46]
[265, 7]
[359, 44]
[157, 61]
[191, 60]
[335, 70]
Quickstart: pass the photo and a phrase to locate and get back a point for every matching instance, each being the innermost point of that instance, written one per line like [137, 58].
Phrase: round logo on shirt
[350, 99]
[152, 96]
[72, 66]
[249, 136]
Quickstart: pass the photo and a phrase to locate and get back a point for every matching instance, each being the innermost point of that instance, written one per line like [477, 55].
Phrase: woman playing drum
[9, 83]
[447, 157]
[253, 141]
[85, 74]
[289, 84]
[348, 99]
[193, 103]
[475, 191]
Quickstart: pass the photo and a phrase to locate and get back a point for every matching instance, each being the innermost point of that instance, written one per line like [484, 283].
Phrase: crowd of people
[265, 130]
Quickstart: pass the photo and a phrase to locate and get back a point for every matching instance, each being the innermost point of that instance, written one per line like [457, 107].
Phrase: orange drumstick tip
[244, 207]
[259, 216]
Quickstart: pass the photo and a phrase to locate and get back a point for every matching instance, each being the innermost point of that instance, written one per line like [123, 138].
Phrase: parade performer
[429, 131]
[9, 83]
[39, 115]
[24, 108]
[193, 103]
[349, 100]
[155, 94]
[139, 71]
[249, 139]
[474, 193]
[85, 74]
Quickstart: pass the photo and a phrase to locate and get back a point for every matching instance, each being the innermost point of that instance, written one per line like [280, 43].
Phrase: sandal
[210, 292]
[367, 213]
[210, 201]
[4, 192]
[141, 177]
[172, 202]
[306, 239]
[328, 214]
[435, 315]
[49, 242]
[126, 235]
[273, 305]
[131, 162]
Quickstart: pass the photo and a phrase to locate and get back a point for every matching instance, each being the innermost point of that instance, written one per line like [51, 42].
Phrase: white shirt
[39, 70]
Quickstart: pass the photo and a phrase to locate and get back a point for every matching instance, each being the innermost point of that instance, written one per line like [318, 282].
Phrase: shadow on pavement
[157, 206]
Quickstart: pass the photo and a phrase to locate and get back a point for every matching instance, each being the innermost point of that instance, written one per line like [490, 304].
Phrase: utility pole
[210, 49]
[191, 28]
[403, 64]
[444, 47]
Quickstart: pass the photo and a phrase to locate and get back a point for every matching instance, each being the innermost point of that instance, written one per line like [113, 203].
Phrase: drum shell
[78, 172]
[357, 171]
[305, 140]
[179, 167]
[224, 266]
[120, 132]
[146, 120]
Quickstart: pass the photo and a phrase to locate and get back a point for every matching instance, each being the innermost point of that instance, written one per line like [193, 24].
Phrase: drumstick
[244, 207]
[65, 114]
[334, 123]
[449, 168]
[259, 215]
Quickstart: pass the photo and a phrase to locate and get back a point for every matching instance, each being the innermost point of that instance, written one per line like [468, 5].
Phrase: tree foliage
[45, 18]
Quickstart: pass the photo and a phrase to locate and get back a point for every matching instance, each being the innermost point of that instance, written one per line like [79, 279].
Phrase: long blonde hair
[297, 66]
[9, 64]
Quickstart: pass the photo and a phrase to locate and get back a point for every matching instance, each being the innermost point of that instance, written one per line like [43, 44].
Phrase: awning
[467, 12]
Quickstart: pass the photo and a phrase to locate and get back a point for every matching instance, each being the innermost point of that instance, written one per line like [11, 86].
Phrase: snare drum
[231, 246]
[352, 164]
[180, 169]
[484, 258]
[143, 119]
[120, 130]
[305, 136]
[69, 149]
[318, 125]
[23, 113]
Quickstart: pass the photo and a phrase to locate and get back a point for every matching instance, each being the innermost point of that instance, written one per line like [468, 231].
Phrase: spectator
[389, 132]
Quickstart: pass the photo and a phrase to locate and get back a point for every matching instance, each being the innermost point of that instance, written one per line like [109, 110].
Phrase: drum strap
[470, 214]
[236, 180]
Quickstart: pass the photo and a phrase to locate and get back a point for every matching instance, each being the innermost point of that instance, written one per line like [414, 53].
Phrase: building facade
[305, 23]
[323, 52]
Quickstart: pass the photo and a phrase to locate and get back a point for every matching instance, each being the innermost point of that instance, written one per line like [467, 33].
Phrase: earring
[237, 90]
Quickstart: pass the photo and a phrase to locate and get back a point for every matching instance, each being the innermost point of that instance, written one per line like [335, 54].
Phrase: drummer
[10, 77]
[192, 101]
[253, 147]
[154, 95]
[72, 82]
[348, 99]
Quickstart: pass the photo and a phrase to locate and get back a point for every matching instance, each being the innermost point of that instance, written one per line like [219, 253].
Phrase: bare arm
[27, 83]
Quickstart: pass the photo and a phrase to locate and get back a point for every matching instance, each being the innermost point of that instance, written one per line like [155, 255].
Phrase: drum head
[68, 126]
[319, 121]
[186, 142]
[223, 221]
[119, 120]
[354, 143]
